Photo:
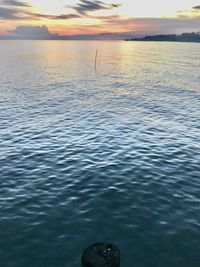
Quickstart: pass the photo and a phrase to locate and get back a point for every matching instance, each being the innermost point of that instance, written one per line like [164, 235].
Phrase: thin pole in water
[95, 62]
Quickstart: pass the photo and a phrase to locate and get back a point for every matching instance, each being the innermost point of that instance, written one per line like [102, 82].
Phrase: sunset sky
[85, 18]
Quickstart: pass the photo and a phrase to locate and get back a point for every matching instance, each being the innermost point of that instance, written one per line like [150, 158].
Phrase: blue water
[111, 154]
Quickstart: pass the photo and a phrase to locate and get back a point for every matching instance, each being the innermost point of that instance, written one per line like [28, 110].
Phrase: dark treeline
[184, 37]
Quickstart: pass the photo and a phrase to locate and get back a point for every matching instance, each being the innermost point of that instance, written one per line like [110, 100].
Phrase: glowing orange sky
[98, 17]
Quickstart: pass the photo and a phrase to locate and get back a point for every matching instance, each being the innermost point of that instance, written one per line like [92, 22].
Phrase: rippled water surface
[110, 154]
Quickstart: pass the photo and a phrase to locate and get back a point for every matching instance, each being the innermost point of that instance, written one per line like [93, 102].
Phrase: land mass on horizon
[43, 33]
[184, 37]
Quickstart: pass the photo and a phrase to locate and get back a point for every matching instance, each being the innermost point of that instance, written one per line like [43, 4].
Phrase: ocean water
[106, 154]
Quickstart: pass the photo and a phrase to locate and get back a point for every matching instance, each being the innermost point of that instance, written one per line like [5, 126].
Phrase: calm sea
[106, 154]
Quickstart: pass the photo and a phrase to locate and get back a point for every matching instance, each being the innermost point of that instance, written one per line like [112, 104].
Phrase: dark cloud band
[9, 14]
[21, 14]
[196, 7]
[15, 3]
[85, 6]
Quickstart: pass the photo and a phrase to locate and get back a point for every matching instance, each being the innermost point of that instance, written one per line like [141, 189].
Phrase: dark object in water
[101, 255]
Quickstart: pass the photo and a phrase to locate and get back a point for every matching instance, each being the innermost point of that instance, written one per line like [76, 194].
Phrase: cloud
[65, 16]
[88, 6]
[107, 18]
[21, 14]
[33, 32]
[15, 3]
[196, 7]
[9, 14]
[16, 10]
[54, 17]
[19, 10]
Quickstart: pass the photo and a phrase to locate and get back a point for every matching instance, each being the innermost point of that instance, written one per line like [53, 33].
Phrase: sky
[98, 19]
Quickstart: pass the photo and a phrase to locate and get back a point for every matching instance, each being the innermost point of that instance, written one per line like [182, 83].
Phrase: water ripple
[107, 155]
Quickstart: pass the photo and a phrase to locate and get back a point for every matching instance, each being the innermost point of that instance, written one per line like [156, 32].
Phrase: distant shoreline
[183, 38]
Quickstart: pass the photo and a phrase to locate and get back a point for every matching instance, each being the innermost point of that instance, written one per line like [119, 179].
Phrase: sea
[99, 153]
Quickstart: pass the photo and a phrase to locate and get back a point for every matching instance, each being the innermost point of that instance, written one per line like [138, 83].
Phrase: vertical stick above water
[95, 62]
